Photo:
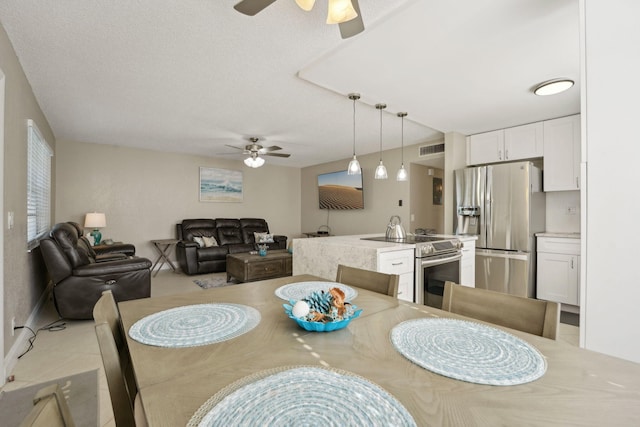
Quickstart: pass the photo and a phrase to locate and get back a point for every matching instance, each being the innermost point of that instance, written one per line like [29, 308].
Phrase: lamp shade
[95, 220]
[306, 5]
[340, 11]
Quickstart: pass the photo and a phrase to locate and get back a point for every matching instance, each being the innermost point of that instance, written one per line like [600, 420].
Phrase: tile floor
[74, 349]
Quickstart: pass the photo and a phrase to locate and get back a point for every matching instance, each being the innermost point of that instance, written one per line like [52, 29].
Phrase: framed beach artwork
[220, 185]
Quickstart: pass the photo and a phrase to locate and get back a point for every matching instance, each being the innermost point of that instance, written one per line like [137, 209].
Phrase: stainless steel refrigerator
[504, 206]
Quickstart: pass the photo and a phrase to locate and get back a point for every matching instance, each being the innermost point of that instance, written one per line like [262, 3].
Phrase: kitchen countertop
[352, 240]
[559, 234]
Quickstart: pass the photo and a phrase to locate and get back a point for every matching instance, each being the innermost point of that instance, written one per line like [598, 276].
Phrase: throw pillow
[199, 241]
[209, 241]
[263, 237]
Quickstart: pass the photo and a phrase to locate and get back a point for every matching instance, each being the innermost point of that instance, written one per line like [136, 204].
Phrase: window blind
[38, 185]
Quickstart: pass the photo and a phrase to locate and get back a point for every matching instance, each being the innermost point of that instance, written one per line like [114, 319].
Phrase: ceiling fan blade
[251, 7]
[237, 148]
[277, 154]
[353, 27]
[268, 149]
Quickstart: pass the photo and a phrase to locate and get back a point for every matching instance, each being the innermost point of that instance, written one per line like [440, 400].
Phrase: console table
[248, 267]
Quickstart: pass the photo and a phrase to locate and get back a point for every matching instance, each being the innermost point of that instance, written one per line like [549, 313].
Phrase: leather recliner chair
[79, 280]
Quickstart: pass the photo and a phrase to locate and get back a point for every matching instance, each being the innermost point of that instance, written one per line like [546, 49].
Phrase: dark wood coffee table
[247, 267]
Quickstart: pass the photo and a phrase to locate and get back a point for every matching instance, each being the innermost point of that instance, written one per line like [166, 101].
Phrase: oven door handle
[430, 263]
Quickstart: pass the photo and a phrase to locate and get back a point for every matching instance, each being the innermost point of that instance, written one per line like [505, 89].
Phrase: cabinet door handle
[577, 182]
[499, 154]
[397, 263]
[506, 154]
[572, 263]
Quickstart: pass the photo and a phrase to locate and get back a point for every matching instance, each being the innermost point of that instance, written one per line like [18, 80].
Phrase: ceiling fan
[255, 150]
[345, 13]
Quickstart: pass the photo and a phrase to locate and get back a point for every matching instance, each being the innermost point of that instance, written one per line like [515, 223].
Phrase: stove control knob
[427, 249]
[459, 245]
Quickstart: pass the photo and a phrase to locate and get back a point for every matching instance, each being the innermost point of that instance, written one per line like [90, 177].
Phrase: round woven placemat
[302, 395]
[468, 351]
[195, 325]
[300, 290]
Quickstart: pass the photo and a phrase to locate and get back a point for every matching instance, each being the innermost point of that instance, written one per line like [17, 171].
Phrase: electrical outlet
[572, 210]
[13, 326]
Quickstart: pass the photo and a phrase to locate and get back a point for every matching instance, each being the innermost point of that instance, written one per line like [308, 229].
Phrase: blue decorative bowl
[320, 326]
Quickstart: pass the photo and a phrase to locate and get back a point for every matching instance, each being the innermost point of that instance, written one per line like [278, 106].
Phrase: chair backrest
[530, 315]
[383, 283]
[120, 399]
[50, 409]
[106, 311]
[61, 253]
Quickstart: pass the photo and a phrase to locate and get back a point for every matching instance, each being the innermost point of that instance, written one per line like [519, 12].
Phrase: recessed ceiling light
[551, 87]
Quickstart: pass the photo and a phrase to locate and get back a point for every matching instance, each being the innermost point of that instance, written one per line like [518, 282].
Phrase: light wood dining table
[580, 387]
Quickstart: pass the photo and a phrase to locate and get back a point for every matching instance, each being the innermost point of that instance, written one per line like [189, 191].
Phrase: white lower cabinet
[558, 271]
[468, 264]
[399, 262]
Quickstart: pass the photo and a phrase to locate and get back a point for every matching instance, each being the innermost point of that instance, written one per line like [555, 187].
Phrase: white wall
[145, 193]
[24, 275]
[424, 213]
[610, 236]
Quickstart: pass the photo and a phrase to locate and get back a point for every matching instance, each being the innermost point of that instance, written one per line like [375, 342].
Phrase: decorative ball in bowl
[322, 311]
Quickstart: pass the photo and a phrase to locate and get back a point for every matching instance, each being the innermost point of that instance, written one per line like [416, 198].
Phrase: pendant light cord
[354, 126]
[402, 141]
[380, 133]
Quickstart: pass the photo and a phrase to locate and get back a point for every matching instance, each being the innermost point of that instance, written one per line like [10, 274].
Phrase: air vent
[427, 150]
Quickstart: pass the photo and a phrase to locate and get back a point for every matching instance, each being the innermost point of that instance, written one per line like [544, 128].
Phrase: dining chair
[537, 317]
[117, 363]
[375, 281]
[50, 409]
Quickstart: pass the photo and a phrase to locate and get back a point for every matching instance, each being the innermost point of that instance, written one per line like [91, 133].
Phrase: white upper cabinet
[504, 145]
[562, 154]
[524, 142]
[485, 147]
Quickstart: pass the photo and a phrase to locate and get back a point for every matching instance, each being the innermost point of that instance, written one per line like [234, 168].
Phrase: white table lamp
[96, 221]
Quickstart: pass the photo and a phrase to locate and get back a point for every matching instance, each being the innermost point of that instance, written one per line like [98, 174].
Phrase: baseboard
[22, 341]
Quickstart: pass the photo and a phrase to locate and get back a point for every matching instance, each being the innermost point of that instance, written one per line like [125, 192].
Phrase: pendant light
[402, 172]
[381, 171]
[354, 164]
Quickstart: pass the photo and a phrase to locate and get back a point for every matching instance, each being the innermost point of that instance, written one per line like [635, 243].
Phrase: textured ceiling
[191, 76]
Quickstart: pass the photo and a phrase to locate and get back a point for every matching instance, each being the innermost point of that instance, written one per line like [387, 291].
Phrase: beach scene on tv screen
[338, 190]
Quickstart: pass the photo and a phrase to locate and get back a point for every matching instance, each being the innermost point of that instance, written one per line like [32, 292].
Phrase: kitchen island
[320, 257]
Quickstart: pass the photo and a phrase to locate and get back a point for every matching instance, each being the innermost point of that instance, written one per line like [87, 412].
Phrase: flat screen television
[339, 190]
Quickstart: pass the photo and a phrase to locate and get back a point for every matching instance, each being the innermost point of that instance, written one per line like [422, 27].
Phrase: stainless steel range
[437, 261]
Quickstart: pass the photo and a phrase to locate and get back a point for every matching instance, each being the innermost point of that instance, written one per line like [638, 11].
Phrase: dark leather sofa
[231, 236]
[79, 279]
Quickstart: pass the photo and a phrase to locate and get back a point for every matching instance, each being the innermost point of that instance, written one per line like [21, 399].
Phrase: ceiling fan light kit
[254, 161]
[552, 87]
[354, 164]
[255, 151]
[381, 170]
[340, 11]
[345, 13]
